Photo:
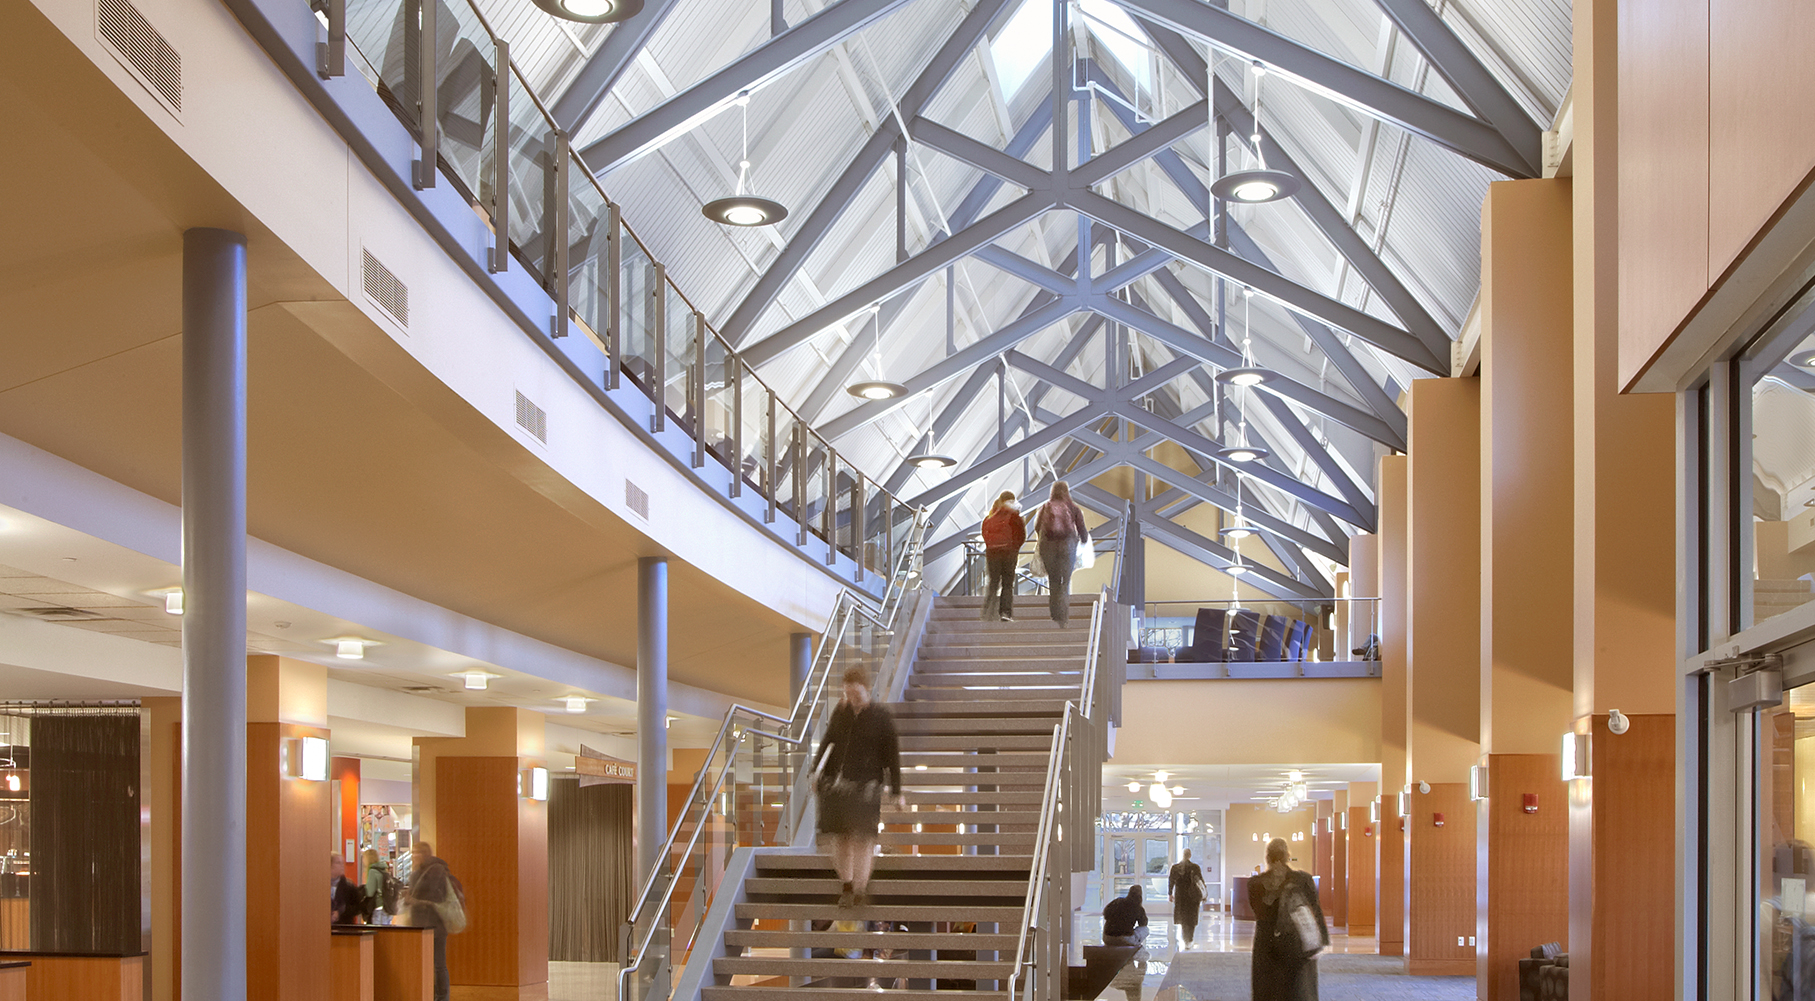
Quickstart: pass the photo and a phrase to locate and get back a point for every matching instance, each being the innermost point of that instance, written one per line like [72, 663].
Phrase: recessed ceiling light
[1134, 786]
[1806, 361]
[476, 680]
[575, 703]
[350, 649]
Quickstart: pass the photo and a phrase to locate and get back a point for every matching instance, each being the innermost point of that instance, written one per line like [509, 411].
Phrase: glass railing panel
[787, 475]
[383, 32]
[1258, 630]
[753, 465]
[813, 495]
[465, 98]
[530, 166]
[845, 514]
[589, 253]
[718, 411]
[637, 304]
[678, 363]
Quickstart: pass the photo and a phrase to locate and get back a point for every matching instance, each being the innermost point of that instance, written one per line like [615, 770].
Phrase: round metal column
[652, 712]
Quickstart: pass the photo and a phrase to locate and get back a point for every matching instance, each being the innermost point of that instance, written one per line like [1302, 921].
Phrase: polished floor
[582, 981]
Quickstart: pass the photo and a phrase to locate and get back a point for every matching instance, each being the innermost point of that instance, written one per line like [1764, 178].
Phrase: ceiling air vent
[636, 500]
[142, 50]
[383, 288]
[532, 418]
[59, 613]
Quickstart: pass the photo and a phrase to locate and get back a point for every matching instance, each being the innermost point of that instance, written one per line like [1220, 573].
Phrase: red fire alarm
[1437, 819]
[1367, 832]
[1402, 825]
[1531, 802]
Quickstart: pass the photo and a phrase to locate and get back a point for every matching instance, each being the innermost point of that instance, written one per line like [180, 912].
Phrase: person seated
[1125, 919]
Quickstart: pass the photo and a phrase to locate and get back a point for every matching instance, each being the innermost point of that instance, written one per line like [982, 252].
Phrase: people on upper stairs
[861, 749]
[1003, 534]
[1061, 530]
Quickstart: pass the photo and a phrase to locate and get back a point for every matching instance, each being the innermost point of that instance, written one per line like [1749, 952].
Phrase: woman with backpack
[1061, 530]
[1003, 534]
[1289, 930]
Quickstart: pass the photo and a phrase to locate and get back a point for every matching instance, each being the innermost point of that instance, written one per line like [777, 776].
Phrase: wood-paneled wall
[84, 978]
[496, 843]
[1630, 849]
[1715, 97]
[1525, 868]
[352, 957]
[403, 964]
[287, 849]
[1441, 882]
[1360, 872]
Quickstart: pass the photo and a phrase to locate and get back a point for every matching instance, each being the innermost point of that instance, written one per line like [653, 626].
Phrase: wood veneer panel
[85, 978]
[403, 964]
[12, 985]
[476, 824]
[1326, 864]
[1760, 101]
[1633, 798]
[1441, 880]
[1663, 137]
[351, 960]
[287, 849]
[1339, 876]
[1361, 872]
[1525, 858]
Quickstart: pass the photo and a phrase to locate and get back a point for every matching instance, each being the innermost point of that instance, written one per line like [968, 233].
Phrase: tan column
[1526, 503]
[1363, 836]
[162, 802]
[1389, 907]
[1622, 823]
[494, 838]
[287, 838]
[1443, 680]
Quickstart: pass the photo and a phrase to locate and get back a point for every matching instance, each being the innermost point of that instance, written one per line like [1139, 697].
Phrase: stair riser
[980, 942]
[887, 970]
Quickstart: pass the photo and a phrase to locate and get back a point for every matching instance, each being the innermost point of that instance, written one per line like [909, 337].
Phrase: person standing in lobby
[1185, 888]
[436, 900]
[1286, 912]
[1003, 534]
[346, 904]
[1061, 530]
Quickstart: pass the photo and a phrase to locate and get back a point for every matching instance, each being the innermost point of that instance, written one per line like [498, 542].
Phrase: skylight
[1025, 42]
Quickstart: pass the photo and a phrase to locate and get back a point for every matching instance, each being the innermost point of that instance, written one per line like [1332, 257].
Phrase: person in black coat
[1284, 970]
[346, 902]
[1185, 885]
[861, 749]
[1125, 919]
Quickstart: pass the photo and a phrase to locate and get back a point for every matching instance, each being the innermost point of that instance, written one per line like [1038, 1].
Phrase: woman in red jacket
[1003, 534]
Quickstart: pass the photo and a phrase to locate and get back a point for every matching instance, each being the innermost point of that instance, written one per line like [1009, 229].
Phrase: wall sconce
[173, 601]
[475, 679]
[532, 783]
[1374, 811]
[1575, 756]
[1256, 837]
[1405, 805]
[306, 758]
[1343, 819]
[1477, 783]
[1436, 820]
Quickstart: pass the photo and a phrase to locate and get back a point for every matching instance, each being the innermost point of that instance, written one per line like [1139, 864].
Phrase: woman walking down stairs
[976, 723]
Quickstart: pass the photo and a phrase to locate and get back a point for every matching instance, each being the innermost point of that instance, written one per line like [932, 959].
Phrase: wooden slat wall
[1633, 793]
[403, 964]
[496, 843]
[1361, 873]
[1441, 880]
[287, 853]
[1526, 867]
[352, 968]
[1761, 97]
[84, 978]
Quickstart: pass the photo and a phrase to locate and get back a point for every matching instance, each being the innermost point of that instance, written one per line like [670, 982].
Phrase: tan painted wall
[1247, 821]
[1329, 721]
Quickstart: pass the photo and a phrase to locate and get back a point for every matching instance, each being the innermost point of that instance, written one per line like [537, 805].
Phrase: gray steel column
[214, 616]
[800, 663]
[652, 712]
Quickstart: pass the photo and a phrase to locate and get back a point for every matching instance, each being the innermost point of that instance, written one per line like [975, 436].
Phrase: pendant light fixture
[1241, 451]
[1259, 184]
[741, 209]
[929, 457]
[877, 388]
[1241, 527]
[592, 11]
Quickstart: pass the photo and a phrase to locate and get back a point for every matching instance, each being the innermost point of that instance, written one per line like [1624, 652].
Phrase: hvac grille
[532, 418]
[636, 499]
[382, 286]
[144, 50]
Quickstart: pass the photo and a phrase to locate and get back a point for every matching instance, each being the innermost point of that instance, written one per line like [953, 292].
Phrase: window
[1022, 45]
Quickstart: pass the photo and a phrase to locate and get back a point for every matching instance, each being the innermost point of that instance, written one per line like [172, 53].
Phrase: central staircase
[976, 719]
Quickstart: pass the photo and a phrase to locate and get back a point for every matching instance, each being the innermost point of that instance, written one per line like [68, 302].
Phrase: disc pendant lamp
[743, 208]
[1258, 184]
[1241, 451]
[592, 11]
[927, 456]
[877, 388]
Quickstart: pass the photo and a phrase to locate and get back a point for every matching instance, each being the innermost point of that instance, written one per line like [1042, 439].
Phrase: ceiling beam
[1146, 141]
[774, 58]
[1186, 484]
[1469, 136]
[606, 65]
[982, 156]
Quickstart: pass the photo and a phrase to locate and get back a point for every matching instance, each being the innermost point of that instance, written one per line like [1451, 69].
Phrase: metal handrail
[1036, 876]
[797, 730]
[1089, 687]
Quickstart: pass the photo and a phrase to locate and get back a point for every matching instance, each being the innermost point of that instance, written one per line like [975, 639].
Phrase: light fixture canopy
[575, 703]
[476, 680]
[1244, 375]
[350, 649]
[1242, 453]
[1253, 187]
[877, 389]
[592, 11]
[745, 210]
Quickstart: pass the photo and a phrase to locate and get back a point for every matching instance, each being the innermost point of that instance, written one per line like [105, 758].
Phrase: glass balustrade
[615, 293]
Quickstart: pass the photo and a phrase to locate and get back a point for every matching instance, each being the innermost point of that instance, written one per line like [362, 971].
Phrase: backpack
[1056, 518]
[390, 893]
[1297, 933]
[998, 531]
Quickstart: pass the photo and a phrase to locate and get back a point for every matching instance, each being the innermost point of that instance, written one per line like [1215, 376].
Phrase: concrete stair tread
[769, 862]
[783, 966]
[1004, 839]
[1028, 693]
[889, 888]
[978, 941]
[975, 728]
[1000, 914]
[955, 742]
[965, 797]
[840, 994]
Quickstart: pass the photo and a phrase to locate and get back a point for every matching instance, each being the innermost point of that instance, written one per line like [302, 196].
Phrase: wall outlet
[1461, 939]
[1471, 940]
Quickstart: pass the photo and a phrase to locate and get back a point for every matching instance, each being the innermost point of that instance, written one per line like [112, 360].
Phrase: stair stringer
[697, 973]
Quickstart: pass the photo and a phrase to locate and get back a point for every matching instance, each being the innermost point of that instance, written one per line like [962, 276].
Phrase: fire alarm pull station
[1531, 802]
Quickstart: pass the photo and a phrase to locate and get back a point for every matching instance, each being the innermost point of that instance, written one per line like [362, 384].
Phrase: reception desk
[67, 977]
[12, 980]
[350, 957]
[403, 963]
